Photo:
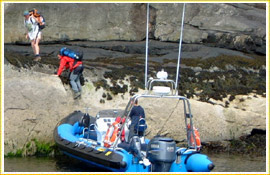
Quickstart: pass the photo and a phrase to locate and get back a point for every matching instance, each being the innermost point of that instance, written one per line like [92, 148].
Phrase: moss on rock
[34, 148]
[216, 79]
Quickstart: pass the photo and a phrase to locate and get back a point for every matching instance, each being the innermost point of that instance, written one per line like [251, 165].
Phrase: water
[238, 163]
[223, 163]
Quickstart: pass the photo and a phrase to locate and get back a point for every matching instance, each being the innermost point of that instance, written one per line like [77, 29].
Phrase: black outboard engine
[161, 153]
[85, 120]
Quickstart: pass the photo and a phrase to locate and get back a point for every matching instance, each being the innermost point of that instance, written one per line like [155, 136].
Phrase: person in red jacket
[76, 68]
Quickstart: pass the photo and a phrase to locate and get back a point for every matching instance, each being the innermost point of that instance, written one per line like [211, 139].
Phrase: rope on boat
[167, 119]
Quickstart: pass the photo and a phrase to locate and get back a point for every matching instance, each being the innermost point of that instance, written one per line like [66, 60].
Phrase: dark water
[238, 163]
[223, 163]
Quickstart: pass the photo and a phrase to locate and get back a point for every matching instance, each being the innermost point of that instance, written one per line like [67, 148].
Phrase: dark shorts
[79, 69]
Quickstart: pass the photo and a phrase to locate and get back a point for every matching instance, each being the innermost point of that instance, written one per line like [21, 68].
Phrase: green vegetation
[18, 153]
[212, 78]
[246, 145]
[43, 149]
[218, 77]
[34, 148]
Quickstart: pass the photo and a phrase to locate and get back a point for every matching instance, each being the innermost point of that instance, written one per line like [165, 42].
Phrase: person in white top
[33, 33]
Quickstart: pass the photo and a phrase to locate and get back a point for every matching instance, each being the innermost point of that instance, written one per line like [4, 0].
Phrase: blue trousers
[75, 80]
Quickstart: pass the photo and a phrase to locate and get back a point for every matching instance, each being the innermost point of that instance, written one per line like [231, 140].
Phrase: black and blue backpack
[78, 56]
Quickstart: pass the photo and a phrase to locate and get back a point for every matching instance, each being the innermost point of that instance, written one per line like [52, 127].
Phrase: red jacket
[67, 63]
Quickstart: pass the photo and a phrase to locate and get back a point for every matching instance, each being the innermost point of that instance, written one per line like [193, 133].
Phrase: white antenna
[180, 45]
[146, 47]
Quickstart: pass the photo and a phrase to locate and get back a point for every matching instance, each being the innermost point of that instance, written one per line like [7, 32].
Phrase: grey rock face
[32, 103]
[35, 102]
[235, 26]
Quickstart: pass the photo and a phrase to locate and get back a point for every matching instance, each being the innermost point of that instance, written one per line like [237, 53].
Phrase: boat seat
[161, 90]
[90, 133]
[87, 122]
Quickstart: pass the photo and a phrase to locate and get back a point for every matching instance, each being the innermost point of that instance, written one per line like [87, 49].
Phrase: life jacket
[39, 17]
[191, 138]
[112, 133]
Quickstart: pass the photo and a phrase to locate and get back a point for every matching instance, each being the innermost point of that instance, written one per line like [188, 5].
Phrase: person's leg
[73, 84]
[33, 46]
[131, 132]
[78, 82]
[36, 47]
[37, 43]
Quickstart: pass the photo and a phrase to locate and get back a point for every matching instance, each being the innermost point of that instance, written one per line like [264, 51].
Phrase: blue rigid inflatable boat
[103, 141]
[90, 139]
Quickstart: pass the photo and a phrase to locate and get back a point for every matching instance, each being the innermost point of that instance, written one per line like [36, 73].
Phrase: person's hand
[26, 36]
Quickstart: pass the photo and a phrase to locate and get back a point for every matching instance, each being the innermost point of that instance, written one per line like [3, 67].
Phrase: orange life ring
[197, 137]
[112, 133]
[115, 132]
[108, 136]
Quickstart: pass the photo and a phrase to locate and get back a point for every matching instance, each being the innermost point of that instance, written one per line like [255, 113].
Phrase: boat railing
[162, 88]
[187, 114]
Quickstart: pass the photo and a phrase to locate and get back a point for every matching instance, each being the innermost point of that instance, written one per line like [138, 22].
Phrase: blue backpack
[71, 53]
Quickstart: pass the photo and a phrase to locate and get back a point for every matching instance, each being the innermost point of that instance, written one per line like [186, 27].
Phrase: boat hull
[70, 139]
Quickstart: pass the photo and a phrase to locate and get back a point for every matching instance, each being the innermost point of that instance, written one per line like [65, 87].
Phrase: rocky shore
[223, 70]
[227, 92]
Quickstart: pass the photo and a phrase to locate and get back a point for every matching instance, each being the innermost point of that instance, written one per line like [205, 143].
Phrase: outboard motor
[85, 120]
[161, 153]
[135, 147]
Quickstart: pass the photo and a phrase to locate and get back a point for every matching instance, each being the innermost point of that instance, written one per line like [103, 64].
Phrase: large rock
[215, 24]
[35, 102]
[79, 21]
[234, 26]
[214, 122]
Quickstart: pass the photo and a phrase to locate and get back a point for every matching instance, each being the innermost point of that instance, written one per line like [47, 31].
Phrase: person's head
[136, 102]
[26, 13]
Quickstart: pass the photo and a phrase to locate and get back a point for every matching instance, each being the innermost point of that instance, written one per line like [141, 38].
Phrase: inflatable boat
[102, 141]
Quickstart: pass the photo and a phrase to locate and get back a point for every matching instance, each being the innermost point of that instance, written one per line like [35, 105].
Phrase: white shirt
[32, 27]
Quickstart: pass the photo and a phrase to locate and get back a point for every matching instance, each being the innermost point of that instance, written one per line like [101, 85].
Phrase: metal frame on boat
[187, 114]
